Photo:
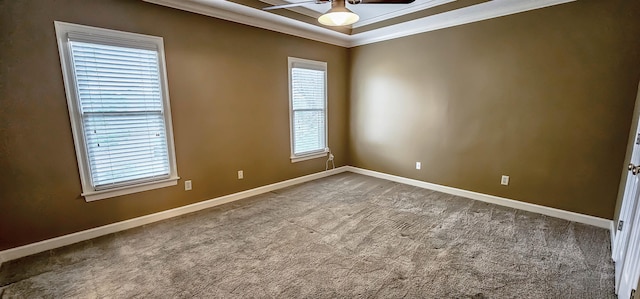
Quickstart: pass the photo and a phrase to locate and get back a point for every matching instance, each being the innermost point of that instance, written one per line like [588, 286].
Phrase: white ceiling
[256, 17]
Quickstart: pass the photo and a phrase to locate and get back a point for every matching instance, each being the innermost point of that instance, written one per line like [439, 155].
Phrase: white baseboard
[33, 248]
[571, 216]
[29, 249]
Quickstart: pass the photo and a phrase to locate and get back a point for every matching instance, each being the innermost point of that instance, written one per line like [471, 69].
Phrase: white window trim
[319, 65]
[126, 39]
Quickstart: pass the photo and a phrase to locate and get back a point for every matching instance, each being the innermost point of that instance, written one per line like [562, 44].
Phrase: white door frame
[631, 267]
[626, 220]
[624, 250]
[627, 210]
[626, 205]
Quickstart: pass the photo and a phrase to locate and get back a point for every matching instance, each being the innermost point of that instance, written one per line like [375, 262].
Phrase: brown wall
[544, 96]
[229, 101]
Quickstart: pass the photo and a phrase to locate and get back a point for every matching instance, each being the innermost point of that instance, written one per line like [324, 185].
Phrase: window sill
[102, 194]
[295, 159]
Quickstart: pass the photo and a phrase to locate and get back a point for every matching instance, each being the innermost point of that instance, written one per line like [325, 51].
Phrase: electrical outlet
[187, 185]
[240, 174]
[418, 165]
[504, 180]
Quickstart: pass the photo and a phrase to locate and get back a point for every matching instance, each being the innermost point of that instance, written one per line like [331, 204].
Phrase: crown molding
[364, 22]
[401, 12]
[479, 12]
[238, 13]
[299, 9]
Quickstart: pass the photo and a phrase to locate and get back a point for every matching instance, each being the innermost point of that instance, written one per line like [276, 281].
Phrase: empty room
[319, 149]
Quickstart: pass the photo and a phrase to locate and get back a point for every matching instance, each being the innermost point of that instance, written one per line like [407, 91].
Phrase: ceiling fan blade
[380, 1]
[293, 4]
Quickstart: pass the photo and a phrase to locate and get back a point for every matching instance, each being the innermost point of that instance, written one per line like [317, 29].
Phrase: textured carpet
[347, 235]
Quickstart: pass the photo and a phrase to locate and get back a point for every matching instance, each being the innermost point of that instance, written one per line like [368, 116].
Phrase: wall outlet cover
[505, 180]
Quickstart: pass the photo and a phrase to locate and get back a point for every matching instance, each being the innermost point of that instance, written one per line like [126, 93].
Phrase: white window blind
[308, 108]
[118, 102]
[122, 116]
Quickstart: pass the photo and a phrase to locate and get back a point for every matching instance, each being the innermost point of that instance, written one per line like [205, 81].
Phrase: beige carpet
[345, 236]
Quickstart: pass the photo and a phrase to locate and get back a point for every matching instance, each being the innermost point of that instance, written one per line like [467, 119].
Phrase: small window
[308, 109]
[119, 109]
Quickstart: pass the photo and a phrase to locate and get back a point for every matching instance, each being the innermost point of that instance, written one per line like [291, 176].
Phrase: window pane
[307, 89]
[116, 79]
[126, 147]
[122, 113]
[308, 131]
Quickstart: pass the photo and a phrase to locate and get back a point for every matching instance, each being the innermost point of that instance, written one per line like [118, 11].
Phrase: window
[308, 109]
[118, 104]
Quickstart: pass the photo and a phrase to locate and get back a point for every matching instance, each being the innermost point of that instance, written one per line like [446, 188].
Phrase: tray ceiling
[377, 22]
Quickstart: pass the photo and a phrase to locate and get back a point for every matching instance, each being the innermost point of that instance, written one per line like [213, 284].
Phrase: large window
[119, 109]
[308, 108]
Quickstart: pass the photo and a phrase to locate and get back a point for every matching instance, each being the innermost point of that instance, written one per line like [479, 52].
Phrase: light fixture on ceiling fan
[339, 14]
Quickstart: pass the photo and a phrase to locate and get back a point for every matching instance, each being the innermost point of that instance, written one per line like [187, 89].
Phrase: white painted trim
[67, 32]
[398, 13]
[300, 9]
[294, 62]
[238, 13]
[612, 231]
[108, 193]
[364, 20]
[480, 12]
[571, 216]
[297, 159]
[33, 248]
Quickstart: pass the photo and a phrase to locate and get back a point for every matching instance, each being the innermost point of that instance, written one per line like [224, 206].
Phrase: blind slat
[143, 167]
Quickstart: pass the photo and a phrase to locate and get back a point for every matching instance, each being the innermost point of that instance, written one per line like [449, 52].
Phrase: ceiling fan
[339, 14]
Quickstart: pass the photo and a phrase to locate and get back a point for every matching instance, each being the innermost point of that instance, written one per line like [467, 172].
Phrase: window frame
[115, 38]
[315, 65]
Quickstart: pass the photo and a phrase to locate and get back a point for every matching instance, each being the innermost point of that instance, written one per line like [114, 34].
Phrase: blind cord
[333, 165]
